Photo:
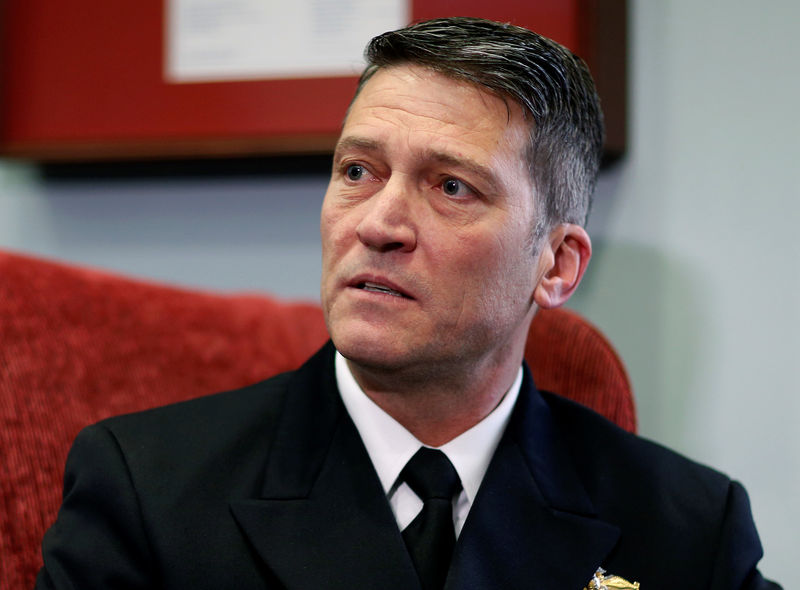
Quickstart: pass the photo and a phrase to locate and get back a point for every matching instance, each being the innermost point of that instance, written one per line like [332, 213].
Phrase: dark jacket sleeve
[739, 547]
[98, 539]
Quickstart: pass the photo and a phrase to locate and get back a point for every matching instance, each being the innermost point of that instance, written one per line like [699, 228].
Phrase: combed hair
[552, 85]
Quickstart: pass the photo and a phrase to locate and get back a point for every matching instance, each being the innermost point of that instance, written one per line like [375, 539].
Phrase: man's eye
[355, 172]
[453, 187]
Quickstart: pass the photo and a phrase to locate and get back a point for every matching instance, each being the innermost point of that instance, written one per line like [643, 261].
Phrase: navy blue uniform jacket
[270, 487]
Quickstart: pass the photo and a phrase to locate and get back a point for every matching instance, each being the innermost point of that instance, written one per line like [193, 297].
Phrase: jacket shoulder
[671, 509]
[216, 410]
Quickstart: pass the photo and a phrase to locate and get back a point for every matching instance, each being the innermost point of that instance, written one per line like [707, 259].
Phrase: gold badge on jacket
[600, 581]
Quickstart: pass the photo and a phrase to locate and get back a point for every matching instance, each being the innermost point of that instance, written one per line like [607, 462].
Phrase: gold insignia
[600, 581]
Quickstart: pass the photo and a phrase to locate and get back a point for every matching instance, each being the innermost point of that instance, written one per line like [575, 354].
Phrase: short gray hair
[551, 84]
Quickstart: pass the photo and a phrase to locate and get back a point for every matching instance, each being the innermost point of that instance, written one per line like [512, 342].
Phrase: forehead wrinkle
[401, 98]
[446, 122]
[448, 128]
[416, 119]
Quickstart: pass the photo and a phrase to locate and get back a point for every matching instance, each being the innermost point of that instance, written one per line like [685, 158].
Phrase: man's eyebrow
[470, 166]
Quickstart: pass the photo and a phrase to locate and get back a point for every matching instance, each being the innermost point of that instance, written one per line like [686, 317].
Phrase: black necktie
[430, 537]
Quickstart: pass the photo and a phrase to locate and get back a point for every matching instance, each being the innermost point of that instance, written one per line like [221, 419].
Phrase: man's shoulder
[216, 411]
[666, 505]
[191, 443]
[258, 404]
[211, 446]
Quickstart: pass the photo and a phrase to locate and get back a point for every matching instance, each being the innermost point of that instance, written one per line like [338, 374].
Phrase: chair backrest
[78, 345]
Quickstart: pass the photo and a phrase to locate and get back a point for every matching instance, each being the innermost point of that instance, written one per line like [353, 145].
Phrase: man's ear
[562, 260]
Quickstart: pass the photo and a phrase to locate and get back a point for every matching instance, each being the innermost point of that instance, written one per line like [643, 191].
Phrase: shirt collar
[390, 445]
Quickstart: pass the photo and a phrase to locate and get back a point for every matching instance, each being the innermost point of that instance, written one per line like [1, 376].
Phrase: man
[460, 186]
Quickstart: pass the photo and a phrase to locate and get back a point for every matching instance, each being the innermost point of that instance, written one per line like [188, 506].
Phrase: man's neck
[437, 408]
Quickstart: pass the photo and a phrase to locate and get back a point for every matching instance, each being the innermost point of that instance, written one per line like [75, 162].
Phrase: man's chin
[372, 348]
[372, 355]
[363, 334]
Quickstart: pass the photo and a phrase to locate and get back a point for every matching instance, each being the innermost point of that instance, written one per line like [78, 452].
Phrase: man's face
[427, 260]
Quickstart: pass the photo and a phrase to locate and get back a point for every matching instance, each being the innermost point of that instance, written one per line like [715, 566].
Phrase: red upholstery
[78, 345]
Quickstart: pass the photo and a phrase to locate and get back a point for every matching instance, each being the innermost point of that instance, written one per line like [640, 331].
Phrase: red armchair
[78, 345]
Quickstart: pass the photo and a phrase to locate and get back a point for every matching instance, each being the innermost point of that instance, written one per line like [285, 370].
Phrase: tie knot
[431, 475]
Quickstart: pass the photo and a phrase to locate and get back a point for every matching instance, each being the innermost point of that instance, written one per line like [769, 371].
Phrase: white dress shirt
[390, 446]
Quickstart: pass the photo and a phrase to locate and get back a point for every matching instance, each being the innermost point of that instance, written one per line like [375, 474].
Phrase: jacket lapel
[322, 519]
[532, 524]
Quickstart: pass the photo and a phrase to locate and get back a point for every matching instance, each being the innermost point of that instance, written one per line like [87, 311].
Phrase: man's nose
[388, 222]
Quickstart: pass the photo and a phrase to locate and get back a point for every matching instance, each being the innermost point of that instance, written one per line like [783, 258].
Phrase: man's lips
[379, 285]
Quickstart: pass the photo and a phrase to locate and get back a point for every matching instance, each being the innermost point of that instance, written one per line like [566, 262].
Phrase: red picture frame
[85, 82]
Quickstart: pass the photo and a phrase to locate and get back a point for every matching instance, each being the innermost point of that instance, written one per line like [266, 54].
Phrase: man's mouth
[378, 288]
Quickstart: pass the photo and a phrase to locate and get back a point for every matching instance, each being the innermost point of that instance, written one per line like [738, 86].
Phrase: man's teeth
[376, 288]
